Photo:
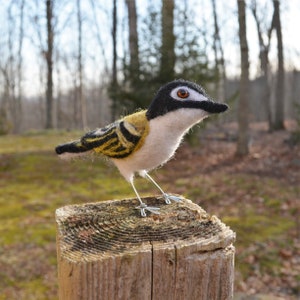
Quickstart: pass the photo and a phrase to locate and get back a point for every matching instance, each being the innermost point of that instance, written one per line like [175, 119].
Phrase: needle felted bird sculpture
[144, 140]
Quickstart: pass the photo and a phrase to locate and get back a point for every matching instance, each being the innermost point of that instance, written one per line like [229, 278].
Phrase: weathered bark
[243, 105]
[106, 250]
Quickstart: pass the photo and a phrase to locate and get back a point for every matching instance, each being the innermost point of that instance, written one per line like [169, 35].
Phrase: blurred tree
[150, 44]
[151, 65]
[132, 91]
[220, 70]
[295, 88]
[113, 89]
[149, 54]
[79, 89]
[8, 70]
[142, 71]
[138, 78]
[39, 41]
[134, 63]
[191, 59]
[243, 104]
[49, 60]
[264, 47]
[167, 58]
[278, 122]
[98, 29]
[11, 67]
[19, 73]
[4, 108]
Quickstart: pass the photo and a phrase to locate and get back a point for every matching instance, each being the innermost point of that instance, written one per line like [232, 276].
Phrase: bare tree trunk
[134, 66]
[219, 57]
[13, 66]
[278, 123]
[114, 81]
[18, 119]
[49, 59]
[76, 113]
[81, 98]
[58, 113]
[168, 42]
[11, 76]
[98, 36]
[243, 105]
[264, 62]
[39, 43]
[5, 105]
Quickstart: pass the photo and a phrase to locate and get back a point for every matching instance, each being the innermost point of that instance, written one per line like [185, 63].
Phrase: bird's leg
[143, 206]
[166, 196]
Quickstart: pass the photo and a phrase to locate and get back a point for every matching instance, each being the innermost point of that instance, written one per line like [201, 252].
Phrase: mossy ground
[34, 182]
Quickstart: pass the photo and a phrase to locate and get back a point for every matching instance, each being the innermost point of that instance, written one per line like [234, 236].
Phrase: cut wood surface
[106, 250]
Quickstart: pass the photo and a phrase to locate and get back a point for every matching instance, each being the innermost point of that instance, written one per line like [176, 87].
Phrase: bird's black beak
[213, 107]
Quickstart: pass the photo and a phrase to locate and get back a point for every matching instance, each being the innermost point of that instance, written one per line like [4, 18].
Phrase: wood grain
[107, 251]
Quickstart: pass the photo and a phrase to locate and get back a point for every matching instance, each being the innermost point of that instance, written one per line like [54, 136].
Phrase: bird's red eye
[183, 93]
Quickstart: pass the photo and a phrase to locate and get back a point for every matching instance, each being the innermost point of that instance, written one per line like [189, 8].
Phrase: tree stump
[106, 250]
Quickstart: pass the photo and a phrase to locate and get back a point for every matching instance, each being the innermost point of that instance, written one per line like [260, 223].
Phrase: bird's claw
[143, 207]
[168, 198]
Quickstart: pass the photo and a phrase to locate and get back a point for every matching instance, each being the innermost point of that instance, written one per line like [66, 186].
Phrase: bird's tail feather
[75, 147]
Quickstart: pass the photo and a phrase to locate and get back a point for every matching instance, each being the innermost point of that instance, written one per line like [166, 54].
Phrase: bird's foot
[168, 198]
[143, 207]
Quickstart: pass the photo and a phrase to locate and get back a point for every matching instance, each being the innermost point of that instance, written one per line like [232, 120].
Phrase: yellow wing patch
[120, 139]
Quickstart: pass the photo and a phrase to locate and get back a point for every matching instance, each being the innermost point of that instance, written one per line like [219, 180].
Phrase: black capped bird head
[180, 94]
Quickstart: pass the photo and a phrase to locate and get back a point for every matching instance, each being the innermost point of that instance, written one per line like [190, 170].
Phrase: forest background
[80, 64]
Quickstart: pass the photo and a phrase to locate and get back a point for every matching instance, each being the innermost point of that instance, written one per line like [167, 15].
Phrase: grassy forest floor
[257, 196]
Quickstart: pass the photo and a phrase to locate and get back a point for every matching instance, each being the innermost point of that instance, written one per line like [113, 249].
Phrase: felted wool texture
[116, 140]
[145, 140]
[139, 125]
[165, 135]
[163, 102]
[126, 137]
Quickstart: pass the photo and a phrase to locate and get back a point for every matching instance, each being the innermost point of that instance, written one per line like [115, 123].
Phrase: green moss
[42, 235]
[34, 182]
[273, 202]
[52, 259]
[37, 141]
[31, 230]
[182, 182]
[251, 227]
[34, 289]
[256, 232]
[11, 211]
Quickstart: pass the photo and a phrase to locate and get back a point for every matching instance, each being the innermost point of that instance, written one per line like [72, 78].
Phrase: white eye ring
[192, 94]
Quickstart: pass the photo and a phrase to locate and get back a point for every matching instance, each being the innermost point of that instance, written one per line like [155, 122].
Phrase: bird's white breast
[165, 135]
